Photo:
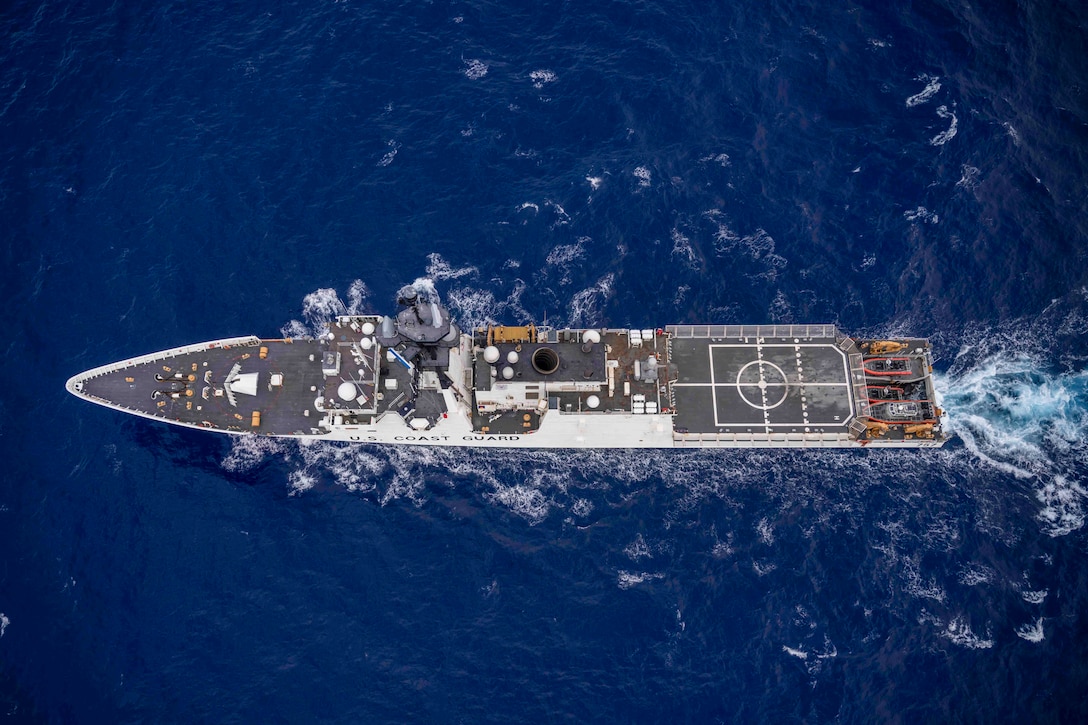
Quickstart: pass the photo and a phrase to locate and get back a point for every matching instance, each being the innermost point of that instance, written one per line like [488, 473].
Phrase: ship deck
[760, 380]
[286, 408]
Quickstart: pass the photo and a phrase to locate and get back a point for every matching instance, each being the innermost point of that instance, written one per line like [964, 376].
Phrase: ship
[415, 378]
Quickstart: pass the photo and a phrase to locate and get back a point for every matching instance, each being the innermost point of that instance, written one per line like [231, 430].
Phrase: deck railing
[745, 332]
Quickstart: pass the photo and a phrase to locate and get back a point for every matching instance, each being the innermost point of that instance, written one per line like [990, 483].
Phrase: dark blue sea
[173, 172]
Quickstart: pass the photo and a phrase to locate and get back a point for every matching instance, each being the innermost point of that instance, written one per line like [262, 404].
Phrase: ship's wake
[1022, 409]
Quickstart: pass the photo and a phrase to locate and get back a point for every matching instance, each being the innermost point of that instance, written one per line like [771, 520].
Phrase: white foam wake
[1018, 411]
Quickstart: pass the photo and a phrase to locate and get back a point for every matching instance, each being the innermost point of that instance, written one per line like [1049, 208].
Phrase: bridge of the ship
[763, 380]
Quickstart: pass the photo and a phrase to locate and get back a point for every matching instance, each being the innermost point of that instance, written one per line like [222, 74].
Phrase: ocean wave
[542, 77]
[959, 632]
[628, 579]
[923, 214]
[949, 133]
[972, 575]
[584, 309]
[389, 155]
[720, 159]
[932, 86]
[1034, 597]
[440, 270]
[475, 68]
[969, 178]
[1032, 631]
[562, 255]
[683, 251]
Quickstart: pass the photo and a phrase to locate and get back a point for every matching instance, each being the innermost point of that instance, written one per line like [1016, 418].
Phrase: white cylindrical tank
[366, 343]
[368, 328]
[593, 402]
[508, 372]
[491, 354]
[512, 357]
[591, 336]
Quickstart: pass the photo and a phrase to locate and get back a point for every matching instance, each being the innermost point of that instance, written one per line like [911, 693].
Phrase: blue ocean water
[174, 172]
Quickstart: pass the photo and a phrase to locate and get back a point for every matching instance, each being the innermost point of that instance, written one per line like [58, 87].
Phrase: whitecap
[524, 500]
[932, 86]
[780, 310]
[248, 452]
[765, 531]
[1034, 597]
[1032, 631]
[439, 269]
[637, 549]
[628, 579]
[948, 134]
[564, 254]
[1013, 133]
[581, 507]
[565, 258]
[922, 588]
[4, 622]
[722, 549]
[763, 568]
[475, 68]
[358, 297]
[720, 159]
[542, 77]
[391, 154]
[585, 306]
[974, 574]
[969, 177]
[643, 175]
[921, 213]
[300, 481]
[959, 632]
[682, 249]
[561, 216]
[798, 653]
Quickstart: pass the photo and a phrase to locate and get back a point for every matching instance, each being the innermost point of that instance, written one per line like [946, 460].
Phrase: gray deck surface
[725, 386]
[282, 408]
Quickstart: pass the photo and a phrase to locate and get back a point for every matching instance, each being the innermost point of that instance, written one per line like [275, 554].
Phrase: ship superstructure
[416, 378]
